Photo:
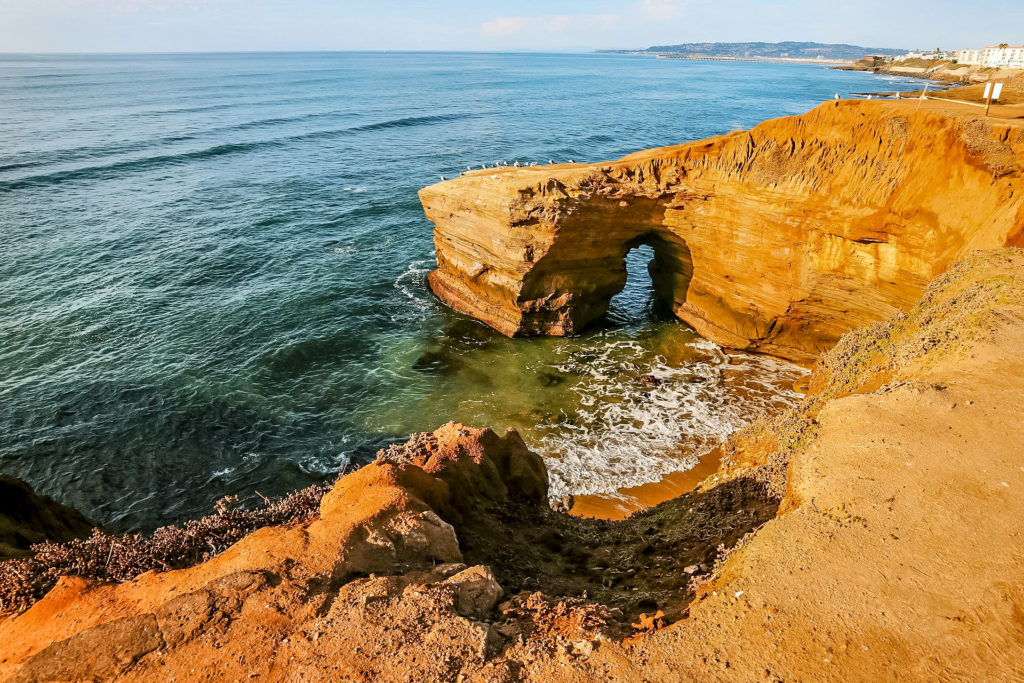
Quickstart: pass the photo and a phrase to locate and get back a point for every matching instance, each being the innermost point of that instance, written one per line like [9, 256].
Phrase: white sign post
[992, 93]
[924, 96]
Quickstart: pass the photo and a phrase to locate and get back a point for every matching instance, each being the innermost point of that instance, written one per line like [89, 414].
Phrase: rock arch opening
[637, 300]
[573, 283]
[654, 269]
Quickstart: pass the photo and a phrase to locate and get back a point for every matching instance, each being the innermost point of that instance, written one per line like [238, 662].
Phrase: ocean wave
[68, 155]
[119, 167]
[409, 121]
[116, 168]
[355, 248]
[411, 284]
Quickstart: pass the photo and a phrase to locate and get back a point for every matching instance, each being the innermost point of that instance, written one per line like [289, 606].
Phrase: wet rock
[436, 363]
[549, 379]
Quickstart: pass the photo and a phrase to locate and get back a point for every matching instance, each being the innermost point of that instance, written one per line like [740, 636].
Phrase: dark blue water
[212, 269]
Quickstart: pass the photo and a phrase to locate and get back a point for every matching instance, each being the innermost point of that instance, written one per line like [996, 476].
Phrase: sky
[551, 25]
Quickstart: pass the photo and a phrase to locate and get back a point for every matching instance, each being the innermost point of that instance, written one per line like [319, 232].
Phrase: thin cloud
[661, 10]
[504, 26]
[545, 23]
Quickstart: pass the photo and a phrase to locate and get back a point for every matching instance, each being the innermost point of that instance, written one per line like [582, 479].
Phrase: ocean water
[212, 273]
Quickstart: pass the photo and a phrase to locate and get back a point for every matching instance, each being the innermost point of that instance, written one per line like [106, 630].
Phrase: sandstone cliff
[777, 240]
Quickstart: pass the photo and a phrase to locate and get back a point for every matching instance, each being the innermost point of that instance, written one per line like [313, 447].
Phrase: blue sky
[201, 25]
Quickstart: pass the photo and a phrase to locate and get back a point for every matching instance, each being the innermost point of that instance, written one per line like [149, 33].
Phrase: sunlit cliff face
[776, 240]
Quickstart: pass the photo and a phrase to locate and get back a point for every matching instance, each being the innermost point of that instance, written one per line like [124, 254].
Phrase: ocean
[212, 276]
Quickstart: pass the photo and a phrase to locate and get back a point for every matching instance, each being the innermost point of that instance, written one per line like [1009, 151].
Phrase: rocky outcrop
[385, 518]
[27, 518]
[778, 240]
[935, 70]
[424, 565]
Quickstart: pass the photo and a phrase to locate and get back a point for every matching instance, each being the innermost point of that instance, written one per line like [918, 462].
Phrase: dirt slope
[900, 556]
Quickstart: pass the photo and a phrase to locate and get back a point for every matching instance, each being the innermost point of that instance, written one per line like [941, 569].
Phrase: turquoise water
[212, 274]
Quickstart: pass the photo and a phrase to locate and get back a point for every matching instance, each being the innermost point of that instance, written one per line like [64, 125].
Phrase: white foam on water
[354, 248]
[635, 427]
[410, 284]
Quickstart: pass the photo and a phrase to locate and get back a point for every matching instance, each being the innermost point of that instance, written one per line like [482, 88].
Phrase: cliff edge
[778, 239]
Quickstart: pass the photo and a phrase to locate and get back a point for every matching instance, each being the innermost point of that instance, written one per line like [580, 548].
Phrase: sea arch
[778, 240]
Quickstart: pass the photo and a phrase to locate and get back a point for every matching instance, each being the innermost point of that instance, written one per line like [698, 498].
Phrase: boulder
[476, 591]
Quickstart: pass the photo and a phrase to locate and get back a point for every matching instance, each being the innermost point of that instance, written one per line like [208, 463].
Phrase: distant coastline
[789, 52]
[773, 60]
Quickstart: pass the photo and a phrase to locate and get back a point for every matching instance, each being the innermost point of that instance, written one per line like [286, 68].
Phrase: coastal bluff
[776, 240]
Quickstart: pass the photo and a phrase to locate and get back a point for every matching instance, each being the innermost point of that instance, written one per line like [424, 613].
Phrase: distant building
[916, 54]
[993, 57]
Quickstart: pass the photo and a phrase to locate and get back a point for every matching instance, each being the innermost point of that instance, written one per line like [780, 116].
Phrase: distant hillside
[793, 50]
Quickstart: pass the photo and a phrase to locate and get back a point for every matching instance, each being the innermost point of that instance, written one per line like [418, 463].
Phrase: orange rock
[779, 239]
[650, 622]
[386, 517]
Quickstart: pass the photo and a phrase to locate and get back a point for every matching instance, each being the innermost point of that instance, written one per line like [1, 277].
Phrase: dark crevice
[643, 564]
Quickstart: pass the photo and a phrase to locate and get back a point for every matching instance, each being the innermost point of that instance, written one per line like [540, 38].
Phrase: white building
[917, 54]
[993, 57]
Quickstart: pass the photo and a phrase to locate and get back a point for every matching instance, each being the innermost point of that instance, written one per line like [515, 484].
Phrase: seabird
[469, 168]
[443, 179]
[551, 161]
[516, 163]
[571, 161]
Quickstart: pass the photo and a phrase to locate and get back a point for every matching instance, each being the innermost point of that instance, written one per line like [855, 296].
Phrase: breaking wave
[635, 427]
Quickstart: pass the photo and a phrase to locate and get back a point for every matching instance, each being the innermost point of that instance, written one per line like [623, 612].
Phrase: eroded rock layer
[778, 239]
